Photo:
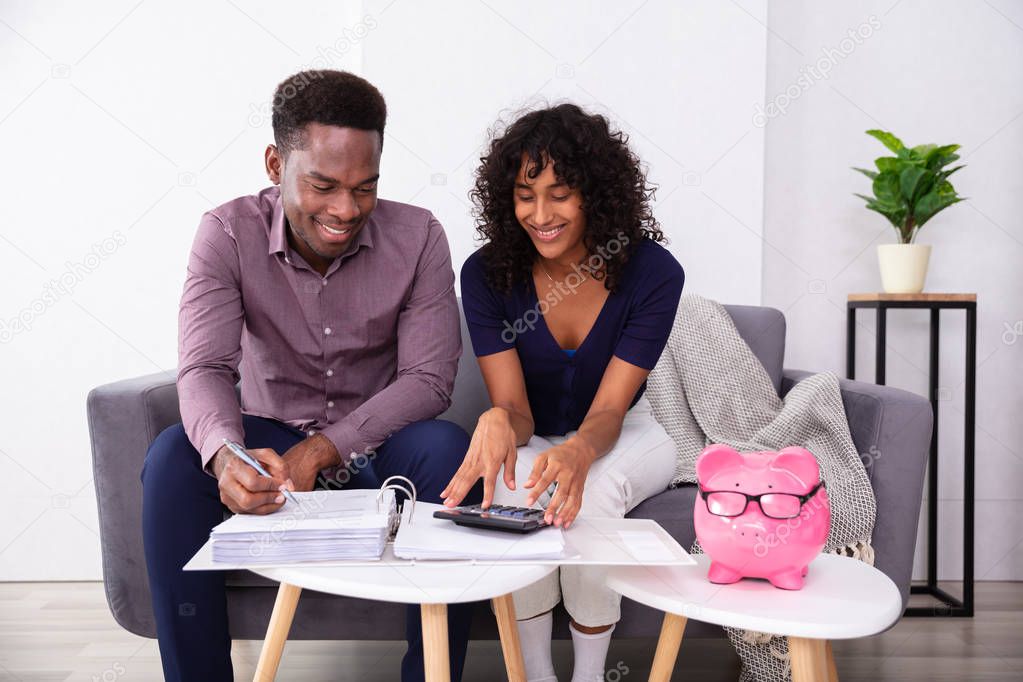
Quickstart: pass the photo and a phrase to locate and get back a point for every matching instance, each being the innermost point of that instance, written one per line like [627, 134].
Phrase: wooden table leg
[435, 642]
[667, 647]
[504, 610]
[809, 659]
[832, 670]
[277, 632]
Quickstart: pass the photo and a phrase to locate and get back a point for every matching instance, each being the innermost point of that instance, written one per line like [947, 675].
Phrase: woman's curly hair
[587, 155]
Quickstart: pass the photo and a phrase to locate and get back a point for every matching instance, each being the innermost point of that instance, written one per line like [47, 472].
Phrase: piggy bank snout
[750, 532]
[749, 525]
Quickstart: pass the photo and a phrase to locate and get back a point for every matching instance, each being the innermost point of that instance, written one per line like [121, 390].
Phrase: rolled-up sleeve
[209, 340]
[429, 345]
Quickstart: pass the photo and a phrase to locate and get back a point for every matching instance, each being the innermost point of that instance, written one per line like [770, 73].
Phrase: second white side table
[842, 598]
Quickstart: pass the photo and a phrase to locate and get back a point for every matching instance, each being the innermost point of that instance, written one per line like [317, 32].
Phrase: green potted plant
[910, 188]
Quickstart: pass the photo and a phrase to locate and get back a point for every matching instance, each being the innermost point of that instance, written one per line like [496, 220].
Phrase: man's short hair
[328, 97]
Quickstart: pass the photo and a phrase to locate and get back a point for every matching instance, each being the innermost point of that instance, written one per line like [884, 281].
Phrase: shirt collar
[279, 232]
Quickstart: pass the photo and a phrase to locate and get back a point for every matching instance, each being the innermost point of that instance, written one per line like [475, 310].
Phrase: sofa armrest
[891, 429]
[124, 417]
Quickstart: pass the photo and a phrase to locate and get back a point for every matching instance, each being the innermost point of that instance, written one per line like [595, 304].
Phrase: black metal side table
[947, 604]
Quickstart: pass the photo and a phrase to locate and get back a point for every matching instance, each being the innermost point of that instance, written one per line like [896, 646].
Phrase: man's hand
[567, 465]
[306, 459]
[492, 447]
[242, 489]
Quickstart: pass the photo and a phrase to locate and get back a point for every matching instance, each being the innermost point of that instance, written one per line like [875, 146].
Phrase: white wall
[659, 70]
[123, 122]
[942, 72]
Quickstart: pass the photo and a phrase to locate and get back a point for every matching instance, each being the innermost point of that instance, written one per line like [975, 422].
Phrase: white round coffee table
[842, 598]
[433, 585]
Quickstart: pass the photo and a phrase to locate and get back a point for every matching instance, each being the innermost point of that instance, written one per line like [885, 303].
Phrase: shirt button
[324, 281]
[312, 432]
[326, 331]
[330, 403]
[330, 372]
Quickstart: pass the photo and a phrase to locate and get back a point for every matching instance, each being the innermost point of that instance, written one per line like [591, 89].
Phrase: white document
[421, 536]
[326, 525]
[590, 541]
[317, 510]
[645, 546]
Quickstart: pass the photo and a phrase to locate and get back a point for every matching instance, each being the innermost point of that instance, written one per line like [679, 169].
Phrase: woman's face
[551, 213]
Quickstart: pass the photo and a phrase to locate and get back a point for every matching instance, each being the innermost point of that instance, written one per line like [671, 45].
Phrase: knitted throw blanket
[709, 387]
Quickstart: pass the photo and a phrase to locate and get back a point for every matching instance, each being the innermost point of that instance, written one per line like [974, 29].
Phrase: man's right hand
[242, 489]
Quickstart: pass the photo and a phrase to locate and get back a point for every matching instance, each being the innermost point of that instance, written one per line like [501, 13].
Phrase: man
[338, 314]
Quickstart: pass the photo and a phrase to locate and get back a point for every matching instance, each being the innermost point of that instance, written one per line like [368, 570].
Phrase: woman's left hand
[567, 465]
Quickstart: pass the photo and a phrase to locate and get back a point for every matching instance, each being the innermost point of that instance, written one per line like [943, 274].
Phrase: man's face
[328, 188]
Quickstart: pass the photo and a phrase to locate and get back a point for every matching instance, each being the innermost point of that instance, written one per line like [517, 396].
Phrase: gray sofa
[124, 417]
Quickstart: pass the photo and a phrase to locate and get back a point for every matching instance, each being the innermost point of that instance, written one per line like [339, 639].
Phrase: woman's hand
[492, 446]
[567, 465]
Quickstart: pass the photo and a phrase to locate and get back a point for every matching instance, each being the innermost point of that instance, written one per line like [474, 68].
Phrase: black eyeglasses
[774, 505]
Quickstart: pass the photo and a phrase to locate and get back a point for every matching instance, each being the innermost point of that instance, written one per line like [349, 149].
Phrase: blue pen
[251, 461]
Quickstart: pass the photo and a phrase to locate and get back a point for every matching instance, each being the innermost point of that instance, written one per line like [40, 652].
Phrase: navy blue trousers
[181, 503]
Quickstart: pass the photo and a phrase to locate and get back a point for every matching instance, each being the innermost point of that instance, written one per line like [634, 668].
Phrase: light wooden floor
[63, 631]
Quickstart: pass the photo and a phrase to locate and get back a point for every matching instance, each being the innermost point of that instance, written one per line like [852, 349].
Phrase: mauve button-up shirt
[356, 354]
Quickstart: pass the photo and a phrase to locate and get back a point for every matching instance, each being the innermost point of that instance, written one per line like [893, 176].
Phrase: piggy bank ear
[800, 462]
[714, 459]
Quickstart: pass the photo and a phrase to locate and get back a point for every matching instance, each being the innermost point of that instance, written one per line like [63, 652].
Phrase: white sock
[590, 654]
[535, 639]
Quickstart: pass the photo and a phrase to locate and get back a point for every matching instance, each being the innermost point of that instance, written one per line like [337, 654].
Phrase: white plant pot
[903, 267]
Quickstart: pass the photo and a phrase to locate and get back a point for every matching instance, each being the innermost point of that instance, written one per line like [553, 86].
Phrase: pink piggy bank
[760, 514]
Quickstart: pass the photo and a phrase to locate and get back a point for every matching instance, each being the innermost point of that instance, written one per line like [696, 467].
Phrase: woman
[569, 304]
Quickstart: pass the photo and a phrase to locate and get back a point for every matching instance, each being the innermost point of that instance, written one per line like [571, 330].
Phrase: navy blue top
[633, 325]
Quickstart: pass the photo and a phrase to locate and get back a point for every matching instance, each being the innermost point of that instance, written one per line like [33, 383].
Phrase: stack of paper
[327, 525]
[424, 537]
